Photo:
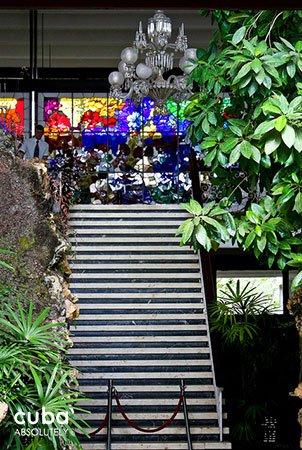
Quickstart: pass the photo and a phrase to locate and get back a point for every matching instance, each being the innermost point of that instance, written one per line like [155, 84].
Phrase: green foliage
[235, 315]
[248, 416]
[33, 375]
[253, 144]
[209, 226]
[263, 230]
[3, 263]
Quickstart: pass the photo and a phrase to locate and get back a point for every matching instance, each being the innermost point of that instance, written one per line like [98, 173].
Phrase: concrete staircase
[142, 324]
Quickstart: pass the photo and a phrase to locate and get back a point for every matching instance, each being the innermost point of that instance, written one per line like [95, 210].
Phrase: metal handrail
[219, 411]
[186, 417]
[109, 400]
[209, 291]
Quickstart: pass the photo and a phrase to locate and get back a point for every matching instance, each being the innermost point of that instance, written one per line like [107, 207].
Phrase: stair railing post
[219, 412]
[109, 400]
[186, 417]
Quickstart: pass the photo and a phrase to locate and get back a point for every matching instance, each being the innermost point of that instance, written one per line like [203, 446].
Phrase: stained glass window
[130, 153]
[12, 114]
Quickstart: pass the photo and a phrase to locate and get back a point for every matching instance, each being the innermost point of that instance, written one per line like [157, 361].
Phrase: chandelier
[142, 71]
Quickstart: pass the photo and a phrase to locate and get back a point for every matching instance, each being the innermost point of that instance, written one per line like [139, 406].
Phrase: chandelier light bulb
[116, 78]
[143, 71]
[190, 53]
[186, 66]
[129, 55]
[122, 67]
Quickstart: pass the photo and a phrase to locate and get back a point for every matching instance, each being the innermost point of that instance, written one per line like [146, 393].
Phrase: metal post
[33, 58]
[189, 439]
[219, 412]
[109, 399]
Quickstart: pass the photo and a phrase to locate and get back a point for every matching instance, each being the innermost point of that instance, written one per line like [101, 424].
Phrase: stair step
[128, 402]
[130, 351]
[121, 339]
[130, 316]
[138, 206]
[141, 306]
[146, 275]
[142, 362]
[128, 284]
[134, 389]
[138, 328]
[138, 266]
[202, 415]
[181, 215]
[171, 430]
[159, 446]
[150, 296]
[121, 228]
[103, 239]
[143, 257]
[145, 375]
[131, 248]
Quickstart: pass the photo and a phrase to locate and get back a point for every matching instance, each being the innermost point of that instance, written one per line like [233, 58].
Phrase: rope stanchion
[147, 430]
[102, 425]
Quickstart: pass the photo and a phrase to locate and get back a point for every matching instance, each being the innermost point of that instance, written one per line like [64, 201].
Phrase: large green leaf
[256, 65]
[291, 69]
[261, 243]
[280, 123]
[267, 82]
[187, 231]
[238, 35]
[182, 226]
[210, 156]
[288, 136]
[256, 155]
[229, 144]
[264, 127]
[252, 88]
[207, 143]
[257, 209]
[269, 108]
[246, 149]
[235, 154]
[235, 129]
[220, 228]
[249, 240]
[298, 140]
[260, 76]
[297, 281]
[298, 203]
[272, 144]
[195, 207]
[202, 237]
[245, 69]
[253, 217]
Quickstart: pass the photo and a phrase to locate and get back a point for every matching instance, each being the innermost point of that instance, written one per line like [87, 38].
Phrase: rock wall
[28, 229]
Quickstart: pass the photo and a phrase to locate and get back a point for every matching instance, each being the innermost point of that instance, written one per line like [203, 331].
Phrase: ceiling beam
[154, 4]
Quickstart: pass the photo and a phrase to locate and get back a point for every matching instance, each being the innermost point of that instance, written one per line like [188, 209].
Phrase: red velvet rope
[146, 430]
[93, 433]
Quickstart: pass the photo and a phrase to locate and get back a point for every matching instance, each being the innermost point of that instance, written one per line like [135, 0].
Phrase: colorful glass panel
[12, 115]
[121, 152]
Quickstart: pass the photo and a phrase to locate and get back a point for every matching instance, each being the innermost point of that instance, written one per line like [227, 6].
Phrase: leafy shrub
[34, 375]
